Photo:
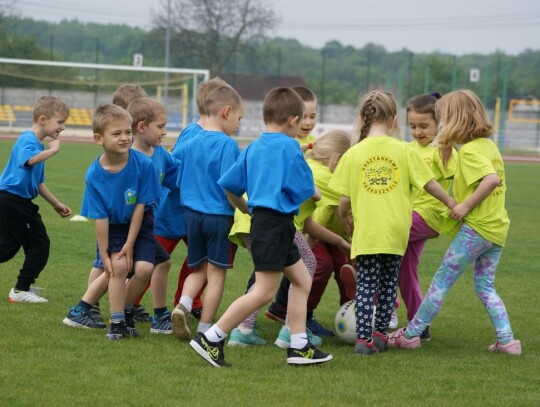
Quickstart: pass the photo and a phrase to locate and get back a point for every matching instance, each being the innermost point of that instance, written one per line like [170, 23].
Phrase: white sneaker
[25, 296]
[394, 320]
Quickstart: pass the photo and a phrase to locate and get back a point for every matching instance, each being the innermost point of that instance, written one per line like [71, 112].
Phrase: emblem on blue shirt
[131, 197]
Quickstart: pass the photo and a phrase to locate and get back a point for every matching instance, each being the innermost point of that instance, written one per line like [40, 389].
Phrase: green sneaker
[237, 338]
[284, 338]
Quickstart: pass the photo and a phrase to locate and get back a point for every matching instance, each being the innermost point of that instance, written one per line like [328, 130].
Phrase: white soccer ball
[345, 322]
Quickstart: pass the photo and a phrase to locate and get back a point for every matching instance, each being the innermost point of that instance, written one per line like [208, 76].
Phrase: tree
[214, 30]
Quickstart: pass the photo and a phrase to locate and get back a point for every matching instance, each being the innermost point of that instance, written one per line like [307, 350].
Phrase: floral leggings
[467, 247]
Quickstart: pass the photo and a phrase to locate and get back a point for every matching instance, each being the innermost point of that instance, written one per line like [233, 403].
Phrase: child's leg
[95, 272]
[484, 284]
[185, 271]
[367, 284]
[158, 284]
[466, 247]
[215, 277]
[323, 270]
[300, 280]
[117, 283]
[138, 282]
[387, 291]
[97, 289]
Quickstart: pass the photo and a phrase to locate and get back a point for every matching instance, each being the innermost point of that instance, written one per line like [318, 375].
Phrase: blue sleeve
[300, 184]
[171, 171]
[150, 187]
[229, 157]
[235, 179]
[27, 150]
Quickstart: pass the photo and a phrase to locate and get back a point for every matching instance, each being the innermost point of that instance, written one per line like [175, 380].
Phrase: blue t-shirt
[114, 195]
[166, 166]
[169, 216]
[19, 178]
[203, 161]
[273, 172]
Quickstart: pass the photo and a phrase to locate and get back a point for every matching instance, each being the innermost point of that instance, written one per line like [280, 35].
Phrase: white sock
[299, 341]
[187, 302]
[204, 326]
[214, 334]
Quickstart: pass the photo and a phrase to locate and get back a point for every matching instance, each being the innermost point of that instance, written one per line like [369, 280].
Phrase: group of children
[303, 207]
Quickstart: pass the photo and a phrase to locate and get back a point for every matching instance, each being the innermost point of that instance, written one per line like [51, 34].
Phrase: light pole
[167, 55]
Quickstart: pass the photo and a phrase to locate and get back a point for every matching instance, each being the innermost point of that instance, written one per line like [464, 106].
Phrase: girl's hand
[345, 247]
[127, 252]
[348, 223]
[459, 211]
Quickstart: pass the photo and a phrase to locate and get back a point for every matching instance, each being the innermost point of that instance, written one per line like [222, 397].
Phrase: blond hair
[47, 106]
[329, 148]
[203, 90]
[105, 114]
[462, 118]
[219, 97]
[126, 93]
[144, 110]
[280, 104]
[375, 107]
[305, 93]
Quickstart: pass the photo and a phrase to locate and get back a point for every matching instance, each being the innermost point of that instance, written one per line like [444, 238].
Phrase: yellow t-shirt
[477, 159]
[310, 138]
[324, 214]
[425, 204]
[304, 212]
[241, 226]
[377, 174]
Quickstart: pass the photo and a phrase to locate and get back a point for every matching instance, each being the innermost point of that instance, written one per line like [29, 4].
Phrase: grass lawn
[45, 363]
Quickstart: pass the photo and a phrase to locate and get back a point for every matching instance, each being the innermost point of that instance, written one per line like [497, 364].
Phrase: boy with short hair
[124, 94]
[21, 181]
[121, 189]
[274, 174]
[208, 213]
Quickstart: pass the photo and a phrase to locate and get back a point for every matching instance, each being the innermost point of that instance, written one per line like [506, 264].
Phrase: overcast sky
[457, 27]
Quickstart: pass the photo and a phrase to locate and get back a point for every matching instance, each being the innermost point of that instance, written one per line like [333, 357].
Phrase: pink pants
[408, 283]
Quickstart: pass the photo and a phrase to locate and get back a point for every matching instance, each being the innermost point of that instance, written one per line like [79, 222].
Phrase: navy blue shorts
[146, 247]
[208, 237]
[272, 240]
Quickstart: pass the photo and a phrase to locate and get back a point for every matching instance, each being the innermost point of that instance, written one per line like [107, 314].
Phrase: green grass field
[45, 363]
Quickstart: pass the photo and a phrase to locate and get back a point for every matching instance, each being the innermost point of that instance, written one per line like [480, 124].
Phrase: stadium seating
[7, 115]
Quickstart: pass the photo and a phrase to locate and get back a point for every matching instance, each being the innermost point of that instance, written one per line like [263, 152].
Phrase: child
[22, 180]
[426, 209]
[309, 119]
[479, 188]
[149, 121]
[121, 189]
[126, 93]
[375, 177]
[274, 197]
[208, 213]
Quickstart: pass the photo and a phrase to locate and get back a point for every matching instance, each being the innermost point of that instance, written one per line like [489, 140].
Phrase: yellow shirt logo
[380, 175]
[499, 169]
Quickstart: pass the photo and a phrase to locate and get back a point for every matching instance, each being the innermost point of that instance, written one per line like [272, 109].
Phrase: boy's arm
[134, 228]
[435, 189]
[54, 147]
[62, 209]
[102, 237]
[238, 202]
[484, 189]
[319, 232]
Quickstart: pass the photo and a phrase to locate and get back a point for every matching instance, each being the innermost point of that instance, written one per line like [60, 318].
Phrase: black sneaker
[425, 335]
[82, 320]
[130, 324]
[140, 314]
[117, 330]
[309, 355]
[212, 352]
[197, 313]
[95, 313]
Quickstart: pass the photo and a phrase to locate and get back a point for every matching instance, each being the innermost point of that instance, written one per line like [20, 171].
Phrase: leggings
[467, 247]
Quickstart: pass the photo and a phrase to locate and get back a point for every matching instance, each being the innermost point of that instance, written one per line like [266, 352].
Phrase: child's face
[116, 138]
[155, 130]
[309, 120]
[233, 120]
[423, 127]
[54, 125]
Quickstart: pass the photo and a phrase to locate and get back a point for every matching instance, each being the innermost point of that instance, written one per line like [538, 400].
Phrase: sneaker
[117, 330]
[82, 320]
[397, 339]
[238, 338]
[162, 325]
[309, 355]
[95, 313]
[130, 324]
[348, 278]
[318, 329]
[197, 313]
[425, 335]
[394, 320]
[140, 314]
[26, 296]
[276, 313]
[380, 341]
[512, 348]
[180, 327]
[284, 338]
[212, 352]
[363, 347]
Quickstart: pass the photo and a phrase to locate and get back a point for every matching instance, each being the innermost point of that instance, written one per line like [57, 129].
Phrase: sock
[406, 335]
[214, 334]
[159, 312]
[299, 341]
[204, 326]
[245, 330]
[82, 306]
[117, 317]
[187, 302]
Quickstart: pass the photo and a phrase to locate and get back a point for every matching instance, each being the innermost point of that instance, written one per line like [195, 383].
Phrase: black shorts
[272, 235]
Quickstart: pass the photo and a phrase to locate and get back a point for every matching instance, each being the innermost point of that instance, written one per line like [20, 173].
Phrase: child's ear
[42, 119]
[294, 120]
[140, 127]
[226, 111]
[98, 139]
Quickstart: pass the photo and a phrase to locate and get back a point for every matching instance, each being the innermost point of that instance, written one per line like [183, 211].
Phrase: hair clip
[310, 146]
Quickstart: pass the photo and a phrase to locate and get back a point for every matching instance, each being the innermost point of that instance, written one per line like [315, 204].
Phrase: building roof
[253, 87]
